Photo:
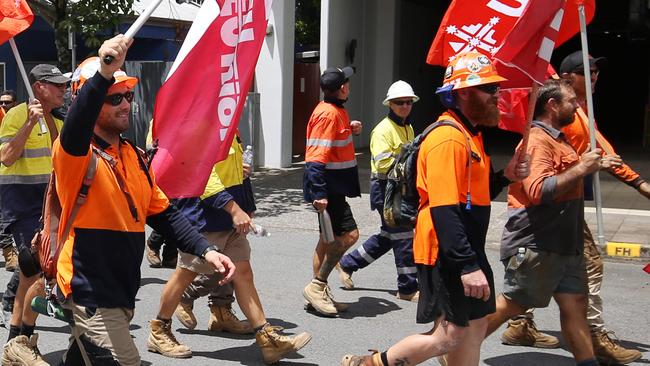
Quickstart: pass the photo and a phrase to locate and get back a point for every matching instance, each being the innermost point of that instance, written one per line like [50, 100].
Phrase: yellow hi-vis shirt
[226, 173]
[386, 140]
[35, 164]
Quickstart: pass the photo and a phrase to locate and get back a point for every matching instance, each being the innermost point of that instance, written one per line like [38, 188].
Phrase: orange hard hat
[471, 69]
[89, 67]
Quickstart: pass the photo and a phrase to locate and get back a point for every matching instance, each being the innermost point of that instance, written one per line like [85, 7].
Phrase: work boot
[153, 256]
[11, 258]
[317, 293]
[23, 351]
[413, 297]
[223, 319]
[523, 332]
[369, 360]
[162, 340]
[609, 352]
[275, 346]
[345, 277]
[185, 314]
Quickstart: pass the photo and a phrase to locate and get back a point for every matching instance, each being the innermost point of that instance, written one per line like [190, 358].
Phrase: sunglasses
[489, 88]
[116, 99]
[581, 71]
[6, 102]
[402, 102]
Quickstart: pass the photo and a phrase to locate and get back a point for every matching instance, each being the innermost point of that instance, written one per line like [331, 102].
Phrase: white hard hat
[400, 89]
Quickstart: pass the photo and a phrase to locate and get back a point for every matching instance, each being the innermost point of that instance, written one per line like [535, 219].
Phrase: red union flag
[198, 107]
[15, 17]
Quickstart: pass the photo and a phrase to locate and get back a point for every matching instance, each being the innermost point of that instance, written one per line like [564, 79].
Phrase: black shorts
[340, 214]
[442, 294]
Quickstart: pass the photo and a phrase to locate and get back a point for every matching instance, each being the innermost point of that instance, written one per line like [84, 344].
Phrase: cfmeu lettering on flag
[509, 10]
[237, 28]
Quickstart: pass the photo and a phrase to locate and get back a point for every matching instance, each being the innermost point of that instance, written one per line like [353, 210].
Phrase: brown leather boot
[223, 319]
[609, 352]
[162, 340]
[11, 258]
[523, 332]
[275, 346]
[369, 360]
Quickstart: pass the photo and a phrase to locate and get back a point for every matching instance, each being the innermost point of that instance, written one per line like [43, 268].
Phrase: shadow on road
[249, 355]
[530, 359]
[152, 281]
[369, 307]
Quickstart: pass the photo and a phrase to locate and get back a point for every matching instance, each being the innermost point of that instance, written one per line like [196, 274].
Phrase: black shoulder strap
[141, 160]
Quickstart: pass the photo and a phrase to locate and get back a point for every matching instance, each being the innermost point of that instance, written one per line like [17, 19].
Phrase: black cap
[333, 77]
[573, 62]
[47, 72]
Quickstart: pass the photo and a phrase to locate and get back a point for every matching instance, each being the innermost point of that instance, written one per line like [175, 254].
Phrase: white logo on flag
[473, 36]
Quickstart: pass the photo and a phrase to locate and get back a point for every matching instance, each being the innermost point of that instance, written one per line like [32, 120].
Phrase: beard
[566, 119]
[484, 113]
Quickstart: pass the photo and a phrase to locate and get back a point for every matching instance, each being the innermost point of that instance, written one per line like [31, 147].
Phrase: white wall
[274, 82]
[372, 24]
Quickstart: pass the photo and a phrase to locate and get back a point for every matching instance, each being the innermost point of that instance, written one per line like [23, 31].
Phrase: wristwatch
[209, 249]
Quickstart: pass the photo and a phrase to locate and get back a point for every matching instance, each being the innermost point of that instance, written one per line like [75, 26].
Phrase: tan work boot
[317, 293]
[369, 360]
[275, 346]
[609, 352]
[11, 258]
[223, 319]
[185, 314]
[23, 351]
[523, 332]
[414, 297]
[339, 306]
[162, 340]
[346, 278]
[153, 256]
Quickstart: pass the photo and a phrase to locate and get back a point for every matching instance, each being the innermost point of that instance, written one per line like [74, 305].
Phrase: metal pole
[23, 73]
[590, 115]
[73, 49]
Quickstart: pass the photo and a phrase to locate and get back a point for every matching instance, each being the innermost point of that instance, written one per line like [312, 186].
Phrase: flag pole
[30, 92]
[529, 119]
[590, 114]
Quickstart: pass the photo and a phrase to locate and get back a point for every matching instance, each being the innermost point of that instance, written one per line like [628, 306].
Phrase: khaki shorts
[234, 245]
[532, 280]
[108, 329]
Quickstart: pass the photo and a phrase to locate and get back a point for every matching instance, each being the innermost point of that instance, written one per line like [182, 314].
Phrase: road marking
[620, 211]
[623, 249]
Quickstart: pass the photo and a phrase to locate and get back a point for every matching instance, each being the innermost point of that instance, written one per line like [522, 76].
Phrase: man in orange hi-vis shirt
[455, 183]
[331, 175]
[521, 330]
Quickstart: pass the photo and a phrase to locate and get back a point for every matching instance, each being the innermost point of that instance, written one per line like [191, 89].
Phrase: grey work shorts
[234, 245]
[531, 282]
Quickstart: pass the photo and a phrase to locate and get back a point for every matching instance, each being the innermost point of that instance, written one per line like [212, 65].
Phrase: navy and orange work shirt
[99, 265]
[537, 219]
[331, 165]
[447, 230]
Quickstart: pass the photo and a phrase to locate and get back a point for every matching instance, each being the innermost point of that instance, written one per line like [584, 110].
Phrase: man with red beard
[454, 180]
[542, 244]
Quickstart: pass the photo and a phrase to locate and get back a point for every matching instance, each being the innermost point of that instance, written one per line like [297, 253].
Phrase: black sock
[321, 280]
[27, 330]
[591, 362]
[166, 321]
[257, 329]
[384, 358]
[14, 331]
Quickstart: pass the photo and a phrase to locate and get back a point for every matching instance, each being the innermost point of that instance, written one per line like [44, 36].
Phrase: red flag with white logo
[15, 17]
[198, 107]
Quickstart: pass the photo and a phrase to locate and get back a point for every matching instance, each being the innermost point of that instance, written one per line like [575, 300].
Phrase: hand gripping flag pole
[135, 27]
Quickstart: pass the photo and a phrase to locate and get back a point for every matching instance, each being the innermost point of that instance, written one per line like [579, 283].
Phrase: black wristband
[209, 249]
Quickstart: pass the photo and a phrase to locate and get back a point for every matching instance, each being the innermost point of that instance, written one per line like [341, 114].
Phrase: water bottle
[259, 230]
[521, 253]
[248, 156]
[49, 308]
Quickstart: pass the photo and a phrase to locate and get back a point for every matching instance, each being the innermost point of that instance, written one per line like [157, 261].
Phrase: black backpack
[402, 200]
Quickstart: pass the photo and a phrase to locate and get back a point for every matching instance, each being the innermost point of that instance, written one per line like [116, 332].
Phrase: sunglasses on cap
[581, 71]
[402, 102]
[489, 88]
[116, 99]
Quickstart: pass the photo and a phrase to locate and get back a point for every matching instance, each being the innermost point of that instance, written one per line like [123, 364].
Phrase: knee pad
[27, 262]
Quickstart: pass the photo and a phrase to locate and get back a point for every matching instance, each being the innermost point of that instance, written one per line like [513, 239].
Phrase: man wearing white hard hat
[386, 141]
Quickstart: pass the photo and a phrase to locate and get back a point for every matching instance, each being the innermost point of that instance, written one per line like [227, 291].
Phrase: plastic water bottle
[521, 253]
[259, 230]
[248, 156]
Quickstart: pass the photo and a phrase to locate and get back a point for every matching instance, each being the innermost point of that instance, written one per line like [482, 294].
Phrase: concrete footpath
[626, 213]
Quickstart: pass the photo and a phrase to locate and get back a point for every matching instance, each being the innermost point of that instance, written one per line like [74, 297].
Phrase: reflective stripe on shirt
[341, 165]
